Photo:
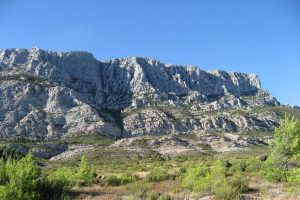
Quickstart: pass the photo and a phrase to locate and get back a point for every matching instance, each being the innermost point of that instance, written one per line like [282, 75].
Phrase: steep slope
[46, 94]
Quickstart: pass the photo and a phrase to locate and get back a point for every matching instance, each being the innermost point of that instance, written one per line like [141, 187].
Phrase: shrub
[65, 176]
[152, 196]
[214, 179]
[287, 138]
[51, 188]
[226, 192]
[238, 166]
[3, 175]
[285, 150]
[253, 165]
[8, 152]
[198, 179]
[165, 197]
[273, 170]
[128, 178]
[157, 176]
[116, 181]
[113, 181]
[138, 188]
[239, 183]
[19, 179]
[85, 173]
[293, 180]
[219, 184]
[229, 189]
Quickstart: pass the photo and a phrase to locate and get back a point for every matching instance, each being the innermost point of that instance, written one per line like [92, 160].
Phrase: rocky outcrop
[45, 150]
[158, 122]
[46, 94]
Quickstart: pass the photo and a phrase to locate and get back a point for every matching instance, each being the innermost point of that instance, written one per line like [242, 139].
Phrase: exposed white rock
[46, 94]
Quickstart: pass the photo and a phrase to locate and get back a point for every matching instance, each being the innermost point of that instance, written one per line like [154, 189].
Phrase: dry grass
[258, 190]
[96, 192]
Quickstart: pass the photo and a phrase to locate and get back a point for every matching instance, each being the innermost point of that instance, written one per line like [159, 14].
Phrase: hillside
[48, 95]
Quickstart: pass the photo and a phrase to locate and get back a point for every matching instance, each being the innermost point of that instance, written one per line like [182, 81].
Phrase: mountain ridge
[48, 94]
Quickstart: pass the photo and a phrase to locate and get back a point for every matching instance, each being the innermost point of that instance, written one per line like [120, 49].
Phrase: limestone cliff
[46, 94]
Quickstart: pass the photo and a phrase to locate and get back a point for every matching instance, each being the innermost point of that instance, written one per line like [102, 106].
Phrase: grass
[138, 188]
[157, 176]
[88, 139]
[122, 180]
[142, 143]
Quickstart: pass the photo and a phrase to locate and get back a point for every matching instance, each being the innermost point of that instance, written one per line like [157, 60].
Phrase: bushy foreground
[22, 179]
[215, 179]
[19, 179]
[283, 164]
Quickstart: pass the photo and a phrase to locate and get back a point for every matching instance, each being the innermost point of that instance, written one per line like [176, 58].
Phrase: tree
[285, 150]
[85, 171]
[287, 138]
[21, 179]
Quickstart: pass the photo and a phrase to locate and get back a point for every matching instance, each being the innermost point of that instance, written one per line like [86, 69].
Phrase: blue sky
[255, 36]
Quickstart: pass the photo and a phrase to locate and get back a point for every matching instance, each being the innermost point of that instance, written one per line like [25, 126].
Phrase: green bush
[293, 180]
[197, 179]
[113, 181]
[116, 181]
[287, 138]
[225, 192]
[85, 173]
[238, 166]
[3, 175]
[152, 196]
[239, 183]
[285, 151]
[65, 176]
[214, 179]
[201, 178]
[19, 179]
[51, 188]
[253, 165]
[273, 170]
[229, 189]
[219, 184]
[8, 152]
[128, 178]
[157, 176]
[22, 180]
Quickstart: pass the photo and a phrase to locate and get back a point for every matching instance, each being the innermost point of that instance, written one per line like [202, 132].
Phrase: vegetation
[85, 173]
[157, 176]
[214, 179]
[152, 176]
[81, 138]
[22, 179]
[124, 179]
[8, 152]
[285, 152]
[19, 179]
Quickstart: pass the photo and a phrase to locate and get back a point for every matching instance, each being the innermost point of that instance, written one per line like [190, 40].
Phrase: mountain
[47, 95]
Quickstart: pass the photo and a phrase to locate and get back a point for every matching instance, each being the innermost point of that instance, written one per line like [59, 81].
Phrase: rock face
[46, 94]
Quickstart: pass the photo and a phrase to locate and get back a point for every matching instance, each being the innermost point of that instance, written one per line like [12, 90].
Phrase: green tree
[287, 138]
[285, 150]
[85, 171]
[21, 179]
